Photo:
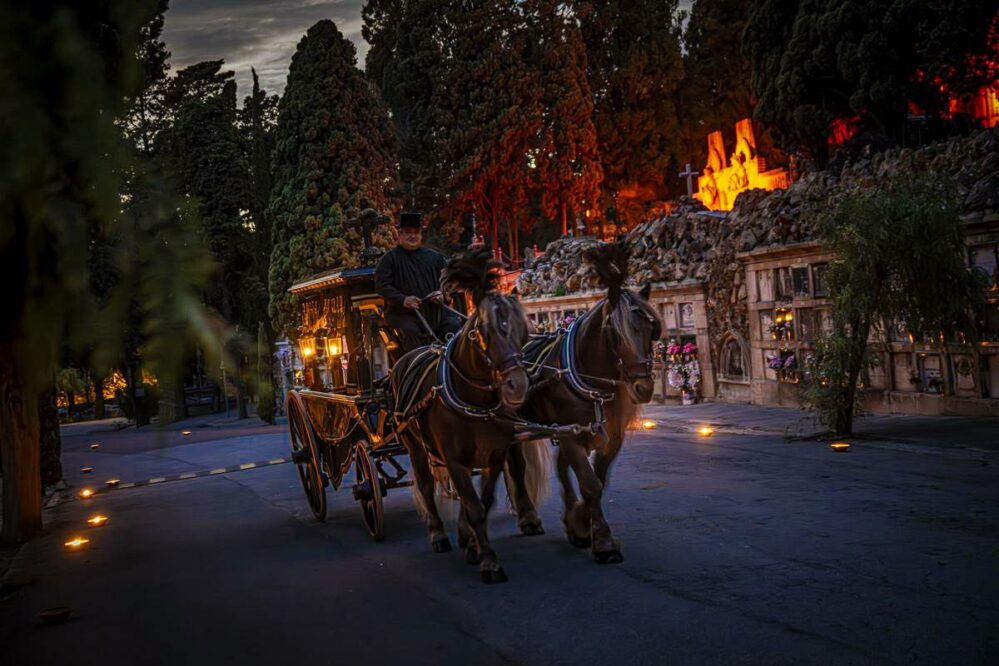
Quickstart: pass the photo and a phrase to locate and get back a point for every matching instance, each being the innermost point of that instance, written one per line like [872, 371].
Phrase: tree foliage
[636, 69]
[818, 60]
[568, 158]
[70, 70]
[899, 259]
[333, 153]
[716, 90]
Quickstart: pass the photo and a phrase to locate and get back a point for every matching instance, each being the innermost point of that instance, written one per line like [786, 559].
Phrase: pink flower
[690, 348]
[673, 348]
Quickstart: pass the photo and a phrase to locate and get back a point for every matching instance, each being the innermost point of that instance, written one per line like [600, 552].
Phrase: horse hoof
[441, 545]
[609, 557]
[532, 529]
[578, 541]
[490, 576]
[472, 556]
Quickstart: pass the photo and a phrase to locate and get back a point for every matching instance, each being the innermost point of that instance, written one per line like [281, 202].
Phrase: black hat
[410, 220]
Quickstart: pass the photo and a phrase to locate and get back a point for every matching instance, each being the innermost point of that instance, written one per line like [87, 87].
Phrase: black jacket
[401, 273]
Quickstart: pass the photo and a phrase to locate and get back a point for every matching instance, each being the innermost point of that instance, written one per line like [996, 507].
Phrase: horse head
[499, 326]
[630, 325]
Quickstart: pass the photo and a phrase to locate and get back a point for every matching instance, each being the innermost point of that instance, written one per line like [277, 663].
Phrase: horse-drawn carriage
[469, 405]
[341, 415]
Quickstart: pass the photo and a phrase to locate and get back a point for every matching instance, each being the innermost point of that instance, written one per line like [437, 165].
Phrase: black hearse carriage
[340, 414]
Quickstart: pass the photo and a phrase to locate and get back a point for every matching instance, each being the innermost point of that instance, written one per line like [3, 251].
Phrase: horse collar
[447, 393]
[569, 362]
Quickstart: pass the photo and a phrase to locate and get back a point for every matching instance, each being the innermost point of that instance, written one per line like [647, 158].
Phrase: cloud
[253, 33]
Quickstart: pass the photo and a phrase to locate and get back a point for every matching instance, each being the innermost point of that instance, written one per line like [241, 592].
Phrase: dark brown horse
[597, 372]
[460, 415]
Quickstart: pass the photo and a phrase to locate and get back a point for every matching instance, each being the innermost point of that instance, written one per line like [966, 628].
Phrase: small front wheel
[369, 490]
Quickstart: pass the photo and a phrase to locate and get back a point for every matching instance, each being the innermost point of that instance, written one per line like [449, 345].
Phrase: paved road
[740, 548]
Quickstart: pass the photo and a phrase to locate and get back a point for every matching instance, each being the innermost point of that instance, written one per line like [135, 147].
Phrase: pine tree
[333, 153]
[568, 161]
[202, 150]
[636, 68]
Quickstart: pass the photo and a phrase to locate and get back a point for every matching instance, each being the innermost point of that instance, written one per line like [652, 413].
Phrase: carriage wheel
[305, 454]
[368, 491]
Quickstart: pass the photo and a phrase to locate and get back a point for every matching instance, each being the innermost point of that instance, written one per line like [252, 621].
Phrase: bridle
[641, 367]
[511, 361]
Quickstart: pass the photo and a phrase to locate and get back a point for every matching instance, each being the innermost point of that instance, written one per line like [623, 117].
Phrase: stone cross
[689, 175]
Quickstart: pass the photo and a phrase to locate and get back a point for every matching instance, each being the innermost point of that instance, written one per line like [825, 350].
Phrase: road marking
[193, 475]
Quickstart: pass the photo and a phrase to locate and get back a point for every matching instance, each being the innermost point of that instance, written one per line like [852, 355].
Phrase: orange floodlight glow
[97, 520]
[77, 543]
[705, 431]
[649, 424]
[87, 493]
[839, 447]
[723, 178]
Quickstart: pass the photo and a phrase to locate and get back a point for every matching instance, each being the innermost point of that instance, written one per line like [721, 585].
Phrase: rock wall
[692, 243]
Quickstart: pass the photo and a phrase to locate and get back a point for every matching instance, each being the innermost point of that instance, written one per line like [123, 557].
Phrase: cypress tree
[407, 50]
[716, 90]
[333, 153]
[568, 162]
[636, 69]
[489, 105]
[819, 60]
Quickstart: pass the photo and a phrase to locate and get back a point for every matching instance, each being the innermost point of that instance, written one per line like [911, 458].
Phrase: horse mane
[474, 270]
[610, 262]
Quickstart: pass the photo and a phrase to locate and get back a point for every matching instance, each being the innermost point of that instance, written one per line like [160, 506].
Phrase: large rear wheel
[369, 491]
[305, 455]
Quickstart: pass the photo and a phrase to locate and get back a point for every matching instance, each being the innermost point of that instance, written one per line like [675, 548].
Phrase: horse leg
[466, 540]
[578, 538]
[527, 515]
[604, 547]
[475, 514]
[425, 487]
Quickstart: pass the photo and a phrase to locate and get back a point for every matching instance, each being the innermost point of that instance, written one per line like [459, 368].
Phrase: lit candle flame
[86, 493]
[77, 543]
[705, 431]
[112, 482]
[97, 520]
[649, 424]
[839, 446]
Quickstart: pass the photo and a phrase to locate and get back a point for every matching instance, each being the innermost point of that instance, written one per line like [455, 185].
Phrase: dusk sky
[257, 33]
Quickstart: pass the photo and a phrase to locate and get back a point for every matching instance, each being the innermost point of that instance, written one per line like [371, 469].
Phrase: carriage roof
[334, 278]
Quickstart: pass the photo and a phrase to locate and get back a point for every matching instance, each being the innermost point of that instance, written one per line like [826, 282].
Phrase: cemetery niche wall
[752, 281]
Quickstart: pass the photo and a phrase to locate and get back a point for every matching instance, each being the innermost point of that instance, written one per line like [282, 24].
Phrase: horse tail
[538, 470]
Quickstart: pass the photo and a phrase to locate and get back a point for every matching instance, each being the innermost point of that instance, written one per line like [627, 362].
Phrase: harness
[581, 384]
[439, 359]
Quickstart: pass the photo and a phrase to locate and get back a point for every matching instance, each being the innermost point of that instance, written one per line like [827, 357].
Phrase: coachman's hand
[436, 296]
[411, 302]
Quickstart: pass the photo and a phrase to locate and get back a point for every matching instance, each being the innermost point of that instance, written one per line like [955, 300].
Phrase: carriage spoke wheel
[305, 454]
[368, 491]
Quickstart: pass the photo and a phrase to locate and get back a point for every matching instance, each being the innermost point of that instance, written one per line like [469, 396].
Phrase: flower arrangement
[682, 369]
[784, 362]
